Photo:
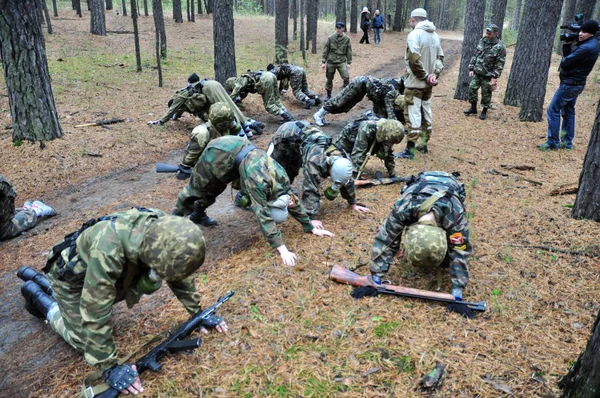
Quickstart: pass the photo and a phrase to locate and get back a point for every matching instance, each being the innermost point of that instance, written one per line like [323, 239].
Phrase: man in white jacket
[424, 63]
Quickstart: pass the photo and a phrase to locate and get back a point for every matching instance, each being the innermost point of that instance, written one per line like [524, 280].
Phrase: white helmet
[340, 173]
[279, 208]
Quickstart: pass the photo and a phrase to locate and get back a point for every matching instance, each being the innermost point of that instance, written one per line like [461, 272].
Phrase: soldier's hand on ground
[322, 232]
[287, 256]
[317, 224]
[360, 209]
[471, 73]
[221, 328]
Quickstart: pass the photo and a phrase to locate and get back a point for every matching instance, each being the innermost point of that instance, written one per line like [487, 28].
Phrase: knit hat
[590, 26]
[418, 12]
[365, 9]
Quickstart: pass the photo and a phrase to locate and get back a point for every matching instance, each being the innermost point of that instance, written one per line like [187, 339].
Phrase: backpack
[438, 180]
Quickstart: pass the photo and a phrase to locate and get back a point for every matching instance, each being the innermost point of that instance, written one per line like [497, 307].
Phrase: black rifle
[173, 343]
[171, 168]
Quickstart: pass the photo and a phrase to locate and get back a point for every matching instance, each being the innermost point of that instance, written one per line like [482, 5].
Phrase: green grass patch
[384, 329]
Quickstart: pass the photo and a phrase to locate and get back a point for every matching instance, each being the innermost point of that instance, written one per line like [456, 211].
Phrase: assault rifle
[171, 168]
[379, 180]
[174, 343]
[344, 275]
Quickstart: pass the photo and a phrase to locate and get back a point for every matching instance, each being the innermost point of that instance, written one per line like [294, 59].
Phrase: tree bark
[354, 16]
[586, 7]
[136, 36]
[23, 53]
[200, 12]
[124, 5]
[223, 37]
[159, 24]
[294, 12]
[282, 10]
[568, 17]
[301, 5]
[109, 5]
[145, 8]
[498, 14]
[47, 17]
[312, 17]
[529, 73]
[177, 13]
[77, 5]
[398, 16]
[517, 15]
[54, 8]
[97, 19]
[474, 21]
[340, 11]
[192, 11]
[587, 202]
[210, 5]
[583, 379]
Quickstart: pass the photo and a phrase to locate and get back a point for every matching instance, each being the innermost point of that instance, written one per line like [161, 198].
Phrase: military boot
[37, 303]
[318, 100]
[472, 110]
[308, 103]
[319, 117]
[200, 217]
[483, 115]
[286, 116]
[328, 95]
[408, 153]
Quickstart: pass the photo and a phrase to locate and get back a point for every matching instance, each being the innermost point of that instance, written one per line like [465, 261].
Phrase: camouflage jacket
[188, 99]
[245, 84]
[284, 73]
[316, 147]
[7, 202]
[489, 59]
[450, 215]
[106, 254]
[337, 50]
[382, 94]
[201, 136]
[356, 139]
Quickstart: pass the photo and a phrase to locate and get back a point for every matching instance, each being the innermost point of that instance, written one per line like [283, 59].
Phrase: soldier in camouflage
[485, 69]
[14, 221]
[299, 144]
[296, 76]
[381, 92]
[115, 258]
[367, 136]
[337, 56]
[259, 82]
[431, 210]
[259, 178]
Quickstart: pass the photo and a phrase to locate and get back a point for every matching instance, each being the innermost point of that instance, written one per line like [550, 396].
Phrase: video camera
[574, 28]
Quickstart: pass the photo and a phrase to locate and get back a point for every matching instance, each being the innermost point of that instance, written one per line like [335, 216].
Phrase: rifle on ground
[101, 123]
[343, 275]
[174, 343]
[171, 168]
[379, 180]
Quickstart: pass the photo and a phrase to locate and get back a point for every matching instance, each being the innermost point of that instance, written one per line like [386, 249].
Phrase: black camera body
[574, 28]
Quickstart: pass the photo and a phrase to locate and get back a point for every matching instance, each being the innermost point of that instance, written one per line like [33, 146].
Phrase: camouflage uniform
[356, 139]
[308, 150]
[487, 63]
[258, 177]
[103, 268]
[13, 221]
[377, 91]
[296, 76]
[450, 216]
[201, 136]
[263, 83]
[337, 55]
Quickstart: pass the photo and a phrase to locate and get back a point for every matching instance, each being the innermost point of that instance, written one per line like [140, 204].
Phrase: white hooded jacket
[424, 54]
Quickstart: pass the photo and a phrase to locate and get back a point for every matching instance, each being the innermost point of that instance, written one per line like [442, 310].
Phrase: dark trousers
[365, 37]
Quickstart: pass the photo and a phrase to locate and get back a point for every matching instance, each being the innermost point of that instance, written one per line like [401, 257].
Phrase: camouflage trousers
[267, 88]
[485, 82]
[330, 73]
[418, 116]
[345, 100]
[290, 160]
[300, 86]
[204, 186]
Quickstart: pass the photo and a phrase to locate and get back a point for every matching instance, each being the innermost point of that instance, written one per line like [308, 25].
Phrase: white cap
[365, 9]
[418, 12]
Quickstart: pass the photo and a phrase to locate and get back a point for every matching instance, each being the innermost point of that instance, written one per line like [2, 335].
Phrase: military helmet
[279, 208]
[399, 102]
[220, 116]
[229, 83]
[425, 245]
[174, 247]
[340, 170]
[389, 131]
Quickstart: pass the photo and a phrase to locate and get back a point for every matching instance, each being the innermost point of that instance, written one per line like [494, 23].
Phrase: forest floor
[293, 332]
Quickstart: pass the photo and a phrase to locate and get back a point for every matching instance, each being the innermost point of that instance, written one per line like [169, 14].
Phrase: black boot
[29, 274]
[483, 115]
[308, 103]
[199, 216]
[37, 303]
[317, 100]
[472, 110]
[408, 153]
[328, 95]
[286, 116]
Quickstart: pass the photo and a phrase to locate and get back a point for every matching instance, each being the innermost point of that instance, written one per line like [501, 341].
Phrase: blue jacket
[575, 67]
[377, 22]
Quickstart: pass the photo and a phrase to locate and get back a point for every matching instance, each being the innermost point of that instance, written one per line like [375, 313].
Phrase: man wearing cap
[574, 70]
[337, 56]
[424, 63]
[485, 69]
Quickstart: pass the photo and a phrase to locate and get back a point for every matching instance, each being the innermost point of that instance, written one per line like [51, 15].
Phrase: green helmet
[174, 247]
[425, 245]
[229, 83]
[389, 131]
[221, 116]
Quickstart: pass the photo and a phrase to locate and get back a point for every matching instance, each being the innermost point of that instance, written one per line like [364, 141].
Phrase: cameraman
[574, 69]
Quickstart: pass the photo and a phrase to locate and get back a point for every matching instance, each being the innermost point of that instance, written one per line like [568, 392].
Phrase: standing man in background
[337, 56]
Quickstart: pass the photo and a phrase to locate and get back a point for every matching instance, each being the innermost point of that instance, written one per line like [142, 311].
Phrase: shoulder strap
[242, 154]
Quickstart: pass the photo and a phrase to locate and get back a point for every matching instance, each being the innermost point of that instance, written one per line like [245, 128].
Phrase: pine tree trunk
[223, 36]
[159, 24]
[427, 7]
[340, 11]
[210, 5]
[282, 10]
[124, 5]
[587, 202]
[54, 8]
[583, 379]
[586, 7]
[314, 24]
[145, 8]
[77, 4]
[192, 11]
[354, 16]
[398, 19]
[177, 14]
[109, 5]
[568, 16]
[23, 53]
[136, 36]
[529, 73]
[97, 20]
[301, 5]
[474, 21]
[517, 15]
[294, 11]
[498, 14]
[47, 17]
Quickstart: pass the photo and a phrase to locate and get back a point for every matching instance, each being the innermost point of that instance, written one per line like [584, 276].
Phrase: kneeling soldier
[295, 76]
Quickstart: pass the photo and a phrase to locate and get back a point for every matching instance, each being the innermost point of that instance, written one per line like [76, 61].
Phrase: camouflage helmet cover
[425, 245]
[174, 247]
[220, 115]
[229, 83]
[389, 131]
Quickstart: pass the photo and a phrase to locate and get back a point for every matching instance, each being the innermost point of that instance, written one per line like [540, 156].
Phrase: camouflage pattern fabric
[380, 94]
[489, 58]
[296, 76]
[201, 136]
[383, 97]
[450, 216]
[287, 147]
[485, 82]
[426, 245]
[351, 95]
[337, 50]
[13, 221]
[189, 99]
[418, 116]
[263, 83]
[214, 93]
[89, 281]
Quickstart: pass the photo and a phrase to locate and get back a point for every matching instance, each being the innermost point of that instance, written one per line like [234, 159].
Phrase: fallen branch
[463, 160]
[592, 251]
[94, 154]
[566, 189]
[120, 32]
[101, 123]
[517, 167]
[519, 178]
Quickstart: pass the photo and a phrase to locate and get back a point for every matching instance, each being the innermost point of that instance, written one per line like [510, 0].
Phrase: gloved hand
[154, 123]
[124, 378]
[184, 172]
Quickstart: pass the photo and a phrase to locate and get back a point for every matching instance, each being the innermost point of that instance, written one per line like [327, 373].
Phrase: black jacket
[575, 67]
[365, 21]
